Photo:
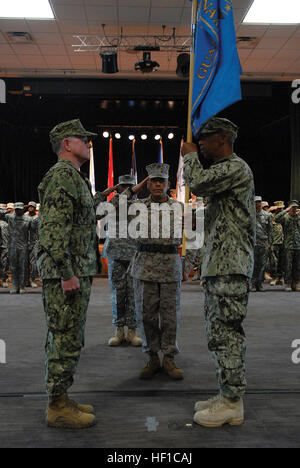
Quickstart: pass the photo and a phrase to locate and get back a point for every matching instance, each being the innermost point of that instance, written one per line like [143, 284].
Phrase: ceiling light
[274, 11]
[157, 137]
[144, 137]
[33, 9]
[146, 65]
[170, 136]
[131, 137]
[117, 136]
[105, 134]
[109, 61]
[183, 65]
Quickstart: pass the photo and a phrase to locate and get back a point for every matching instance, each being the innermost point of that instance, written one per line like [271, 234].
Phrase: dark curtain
[295, 152]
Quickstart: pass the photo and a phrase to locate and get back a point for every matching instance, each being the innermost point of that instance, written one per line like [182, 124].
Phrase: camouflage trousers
[18, 265]
[121, 285]
[226, 299]
[66, 318]
[190, 260]
[4, 263]
[158, 315]
[277, 261]
[291, 266]
[260, 261]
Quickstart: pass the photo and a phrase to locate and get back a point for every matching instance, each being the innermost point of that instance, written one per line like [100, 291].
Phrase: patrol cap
[279, 204]
[293, 203]
[158, 170]
[69, 128]
[257, 199]
[127, 179]
[19, 206]
[32, 203]
[2, 206]
[265, 203]
[219, 125]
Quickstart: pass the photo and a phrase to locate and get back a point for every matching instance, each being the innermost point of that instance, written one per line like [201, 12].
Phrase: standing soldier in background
[19, 227]
[277, 258]
[67, 262]
[157, 273]
[4, 249]
[290, 221]
[264, 239]
[227, 262]
[119, 252]
[32, 271]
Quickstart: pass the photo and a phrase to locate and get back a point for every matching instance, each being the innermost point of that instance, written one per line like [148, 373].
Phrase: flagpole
[189, 125]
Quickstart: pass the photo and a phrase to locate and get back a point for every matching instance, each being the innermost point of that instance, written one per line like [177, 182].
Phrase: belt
[154, 248]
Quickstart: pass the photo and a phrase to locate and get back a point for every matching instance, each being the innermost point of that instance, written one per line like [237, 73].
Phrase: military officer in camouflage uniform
[32, 271]
[4, 249]
[67, 262]
[290, 221]
[227, 262]
[157, 273]
[19, 227]
[264, 239]
[119, 252]
[277, 250]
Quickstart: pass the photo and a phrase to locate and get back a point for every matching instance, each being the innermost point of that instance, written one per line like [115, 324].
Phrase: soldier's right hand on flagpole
[187, 148]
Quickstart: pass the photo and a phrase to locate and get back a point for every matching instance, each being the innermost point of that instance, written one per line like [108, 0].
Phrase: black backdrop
[25, 121]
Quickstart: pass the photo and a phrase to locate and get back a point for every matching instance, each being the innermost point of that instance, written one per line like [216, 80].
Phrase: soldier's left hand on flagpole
[187, 148]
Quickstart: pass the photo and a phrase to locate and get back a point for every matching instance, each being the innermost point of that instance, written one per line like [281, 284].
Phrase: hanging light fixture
[109, 61]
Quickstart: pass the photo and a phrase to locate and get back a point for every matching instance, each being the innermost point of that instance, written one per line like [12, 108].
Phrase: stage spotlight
[105, 134]
[183, 65]
[117, 136]
[144, 137]
[157, 137]
[171, 136]
[146, 65]
[131, 137]
[109, 61]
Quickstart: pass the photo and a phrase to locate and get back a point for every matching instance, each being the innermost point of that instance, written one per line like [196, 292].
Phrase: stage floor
[156, 413]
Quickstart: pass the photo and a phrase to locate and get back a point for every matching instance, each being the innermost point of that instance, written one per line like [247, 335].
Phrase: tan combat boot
[132, 339]
[273, 282]
[119, 337]
[288, 288]
[222, 411]
[61, 413]
[172, 369]
[151, 368]
[83, 408]
[201, 405]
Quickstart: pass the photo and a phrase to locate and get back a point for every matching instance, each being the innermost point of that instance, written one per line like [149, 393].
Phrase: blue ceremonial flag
[217, 69]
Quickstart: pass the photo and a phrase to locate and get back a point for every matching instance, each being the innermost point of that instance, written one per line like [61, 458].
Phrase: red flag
[110, 181]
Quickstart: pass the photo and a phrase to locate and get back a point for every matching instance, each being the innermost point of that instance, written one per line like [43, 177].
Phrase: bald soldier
[227, 262]
[67, 262]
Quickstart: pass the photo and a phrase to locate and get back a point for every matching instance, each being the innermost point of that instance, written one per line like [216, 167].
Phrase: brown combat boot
[119, 337]
[83, 408]
[172, 369]
[62, 414]
[132, 339]
[151, 368]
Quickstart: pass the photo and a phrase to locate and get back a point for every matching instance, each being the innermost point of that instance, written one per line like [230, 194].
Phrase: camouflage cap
[293, 203]
[32, 203]
[69, 128]
[2, 206]
[219, 125]
[257, 198]
[127, 179]
[158, 170]
[279, 204]
[264, 203]
[19, 206]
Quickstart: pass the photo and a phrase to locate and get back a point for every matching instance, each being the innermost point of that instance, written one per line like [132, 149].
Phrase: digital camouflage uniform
[227, 260]
[68, 248]
[277, 251]
[119, 252]
[157, 276]
[33, 250]
[291, 236]
[19, 228]
[4, 237]
[264, 238]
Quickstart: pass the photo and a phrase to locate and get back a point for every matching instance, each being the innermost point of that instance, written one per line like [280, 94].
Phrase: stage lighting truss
[132, 44]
